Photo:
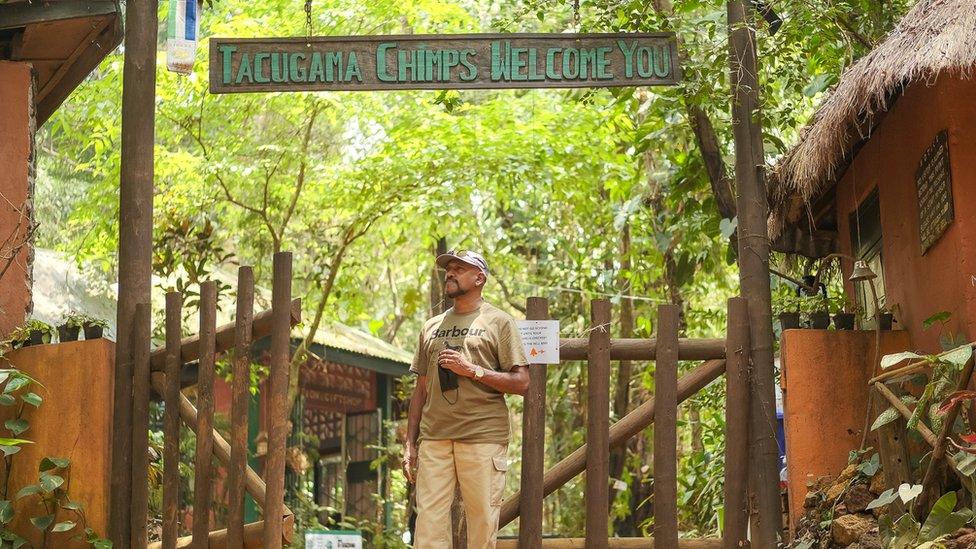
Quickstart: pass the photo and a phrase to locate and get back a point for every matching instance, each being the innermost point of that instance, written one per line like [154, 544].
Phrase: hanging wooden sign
[934, 185]
[434, 62]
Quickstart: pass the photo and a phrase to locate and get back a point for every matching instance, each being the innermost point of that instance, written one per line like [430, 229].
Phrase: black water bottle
[448, 379]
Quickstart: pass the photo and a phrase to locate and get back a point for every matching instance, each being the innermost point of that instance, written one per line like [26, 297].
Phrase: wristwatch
[479, 372]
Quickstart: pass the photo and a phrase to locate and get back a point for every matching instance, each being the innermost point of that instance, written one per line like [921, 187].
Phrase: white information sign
[333, 539]
[540, 338]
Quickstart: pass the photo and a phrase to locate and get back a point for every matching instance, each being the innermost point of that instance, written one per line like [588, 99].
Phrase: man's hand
[455, 362]
[409, 462]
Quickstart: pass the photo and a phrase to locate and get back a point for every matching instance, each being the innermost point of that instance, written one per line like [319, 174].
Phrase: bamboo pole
[666, 428]
[135, 243]
[644, 349]
[203, 464]
[171, 421]
[240, 397]
[735, 534]
[598, 426]
[533, 442]
[140, 427]
[752, 211]
[922, 503]
[274, 474]
[628, 426]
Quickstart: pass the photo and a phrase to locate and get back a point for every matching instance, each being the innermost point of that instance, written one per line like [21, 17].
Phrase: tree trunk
[621, 399]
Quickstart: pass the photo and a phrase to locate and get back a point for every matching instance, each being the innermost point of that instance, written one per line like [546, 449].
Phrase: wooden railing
[729, 356]
[161, 370]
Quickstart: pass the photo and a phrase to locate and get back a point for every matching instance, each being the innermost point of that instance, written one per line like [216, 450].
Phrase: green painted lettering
[518, 64]
[450, 60]
[316, 72]
[468, 65]
[352, 68]
[500, 69]
[297, 73]
[279, 68]
[381, 72]
[603, 63]
[534, 75]
[571, 67]
[662, 64]
[551, 72]
[628, 57]
[259, 76]
[645, 62]
[406, 61]
[333, 66]
[244, 70]
[227, 54]
[587, 64]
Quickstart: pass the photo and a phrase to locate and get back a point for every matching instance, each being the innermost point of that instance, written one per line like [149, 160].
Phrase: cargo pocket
[499, 466]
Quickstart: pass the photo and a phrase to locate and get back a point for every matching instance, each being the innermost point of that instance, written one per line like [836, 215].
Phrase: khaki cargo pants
[480, 471]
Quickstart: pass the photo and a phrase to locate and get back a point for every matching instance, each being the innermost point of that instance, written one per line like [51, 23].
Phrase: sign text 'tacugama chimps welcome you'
[443, 62]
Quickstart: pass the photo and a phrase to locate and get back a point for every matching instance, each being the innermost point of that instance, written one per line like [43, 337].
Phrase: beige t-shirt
[474, 412]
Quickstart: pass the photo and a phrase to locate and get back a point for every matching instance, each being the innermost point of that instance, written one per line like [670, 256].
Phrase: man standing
[467, 359]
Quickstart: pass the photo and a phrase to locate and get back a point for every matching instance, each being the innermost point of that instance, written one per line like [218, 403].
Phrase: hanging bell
[862, 272]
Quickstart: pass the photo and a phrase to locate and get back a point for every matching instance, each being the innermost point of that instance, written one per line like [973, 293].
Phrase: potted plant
[93, 327]
[788, 311]
[844, 314]
[32, 332]
[886, 316]
[70, 326]
[817, 308]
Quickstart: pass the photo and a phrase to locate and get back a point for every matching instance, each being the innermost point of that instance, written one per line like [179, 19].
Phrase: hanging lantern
[182, 30]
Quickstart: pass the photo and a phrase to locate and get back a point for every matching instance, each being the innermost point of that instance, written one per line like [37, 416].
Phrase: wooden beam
[87, 41]
[171, 421]
[140, 426]
[253, 536]
[598, 427]
[617, 543]
[190, 346]
[666, 428]
[893, 453]
[735, 534]
[753, 257]
[240, 399]
[278, 412]
[203, 465]
[628, 426]
[644, 349]
[533, 442]
[135, 241]
[21, 14]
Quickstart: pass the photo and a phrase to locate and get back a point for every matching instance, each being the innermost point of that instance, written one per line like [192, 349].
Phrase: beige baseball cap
[471, 258]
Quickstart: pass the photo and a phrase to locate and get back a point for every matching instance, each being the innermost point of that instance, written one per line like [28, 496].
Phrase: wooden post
[666, 428]
[753, 240]
[140, 427]
[737, 426]
[135, 242]
[203, 464]
[628, 426]
[171, 421]
[274, 473]
[239, 404]
[533, 441]
[598, 427]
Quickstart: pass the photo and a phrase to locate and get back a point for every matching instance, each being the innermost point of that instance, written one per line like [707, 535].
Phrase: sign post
[436, 62]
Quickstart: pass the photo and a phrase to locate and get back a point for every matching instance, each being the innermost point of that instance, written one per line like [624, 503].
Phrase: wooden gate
[729, 356]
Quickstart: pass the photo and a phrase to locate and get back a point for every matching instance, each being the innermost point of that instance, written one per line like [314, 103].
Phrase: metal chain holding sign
[308, 21]
[577, 21]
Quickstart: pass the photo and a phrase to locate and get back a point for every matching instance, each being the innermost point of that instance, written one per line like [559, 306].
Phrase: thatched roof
[935, 36]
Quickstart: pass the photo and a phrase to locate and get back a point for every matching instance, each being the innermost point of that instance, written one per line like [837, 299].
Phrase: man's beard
[456, 292]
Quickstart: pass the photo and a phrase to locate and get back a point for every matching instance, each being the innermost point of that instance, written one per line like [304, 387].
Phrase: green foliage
[942, 521]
